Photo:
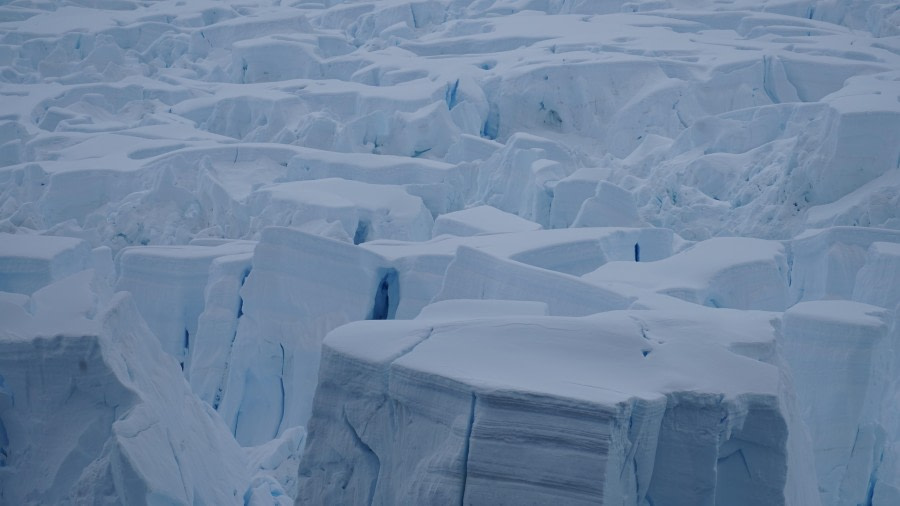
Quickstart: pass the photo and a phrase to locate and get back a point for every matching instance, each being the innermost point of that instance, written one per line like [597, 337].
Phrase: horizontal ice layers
[261, 401]
[31, 262]
[629, 407]
[126, 125]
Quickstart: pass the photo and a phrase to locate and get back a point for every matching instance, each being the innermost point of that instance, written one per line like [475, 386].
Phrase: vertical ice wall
[94, 406]
[168, 283]
[836, 352]
[300, 287]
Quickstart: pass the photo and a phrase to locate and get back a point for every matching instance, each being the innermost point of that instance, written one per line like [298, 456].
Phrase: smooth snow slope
[685, 215]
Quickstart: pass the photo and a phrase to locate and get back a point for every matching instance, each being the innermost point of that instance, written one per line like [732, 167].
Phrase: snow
[627, 252]
[733, 272]
[366, 211]
[875, 282]
[29, 262]
[104, 392]
[826, 262]
[474, 308]
[475, 430]
[480, 220]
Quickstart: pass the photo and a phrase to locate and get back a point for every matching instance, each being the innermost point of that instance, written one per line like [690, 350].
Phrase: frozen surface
[365, 211]
[508, 410]
[876, 280]
[480, 220]
[611, 235]
[826, 262]
[28, 262]
[731, 272]
[116, 422]
[300, 286]
[90, 400]
[836, 352]
[168, 283]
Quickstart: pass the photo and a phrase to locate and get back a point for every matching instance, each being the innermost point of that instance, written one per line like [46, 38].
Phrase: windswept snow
[627, 252]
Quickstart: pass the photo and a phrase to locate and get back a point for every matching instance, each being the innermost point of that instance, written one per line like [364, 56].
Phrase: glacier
[637, 252]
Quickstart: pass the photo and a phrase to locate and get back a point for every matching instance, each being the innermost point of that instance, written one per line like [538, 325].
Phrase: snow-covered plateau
[432, 252]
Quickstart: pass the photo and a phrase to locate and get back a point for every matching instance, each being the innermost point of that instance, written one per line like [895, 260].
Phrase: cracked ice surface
[634, 252]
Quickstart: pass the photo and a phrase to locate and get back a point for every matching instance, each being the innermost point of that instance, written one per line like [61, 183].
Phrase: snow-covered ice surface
[632, 252]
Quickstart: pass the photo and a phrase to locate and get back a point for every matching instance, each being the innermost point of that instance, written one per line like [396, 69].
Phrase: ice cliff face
[500, 411]
[630, 252]
[93, 406]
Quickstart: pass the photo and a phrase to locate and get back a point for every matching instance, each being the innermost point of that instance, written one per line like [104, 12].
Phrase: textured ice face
[91, 402]
[623, 407]
[721, 177]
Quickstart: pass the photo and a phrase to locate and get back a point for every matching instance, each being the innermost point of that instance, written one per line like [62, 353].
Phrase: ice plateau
[622, 252]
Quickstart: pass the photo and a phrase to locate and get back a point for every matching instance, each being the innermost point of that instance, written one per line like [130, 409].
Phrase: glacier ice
[626, 251]
[93, 405]
[289, 303]
[168, 285]
[30, 262]
[836, 352]
[499, 410]
[480, 220]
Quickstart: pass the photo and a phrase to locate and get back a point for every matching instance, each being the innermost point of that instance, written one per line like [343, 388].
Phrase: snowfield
[620, 252]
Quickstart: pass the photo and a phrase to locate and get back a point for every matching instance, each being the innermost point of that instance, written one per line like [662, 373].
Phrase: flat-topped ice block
[480, 220]
[519, 177]
[441, 186]
[29, 262]
[366, 211]
[610, 206]
[626, 407]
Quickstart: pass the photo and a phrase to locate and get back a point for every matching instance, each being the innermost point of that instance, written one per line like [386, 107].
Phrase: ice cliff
[93, 411]
[427, 251]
